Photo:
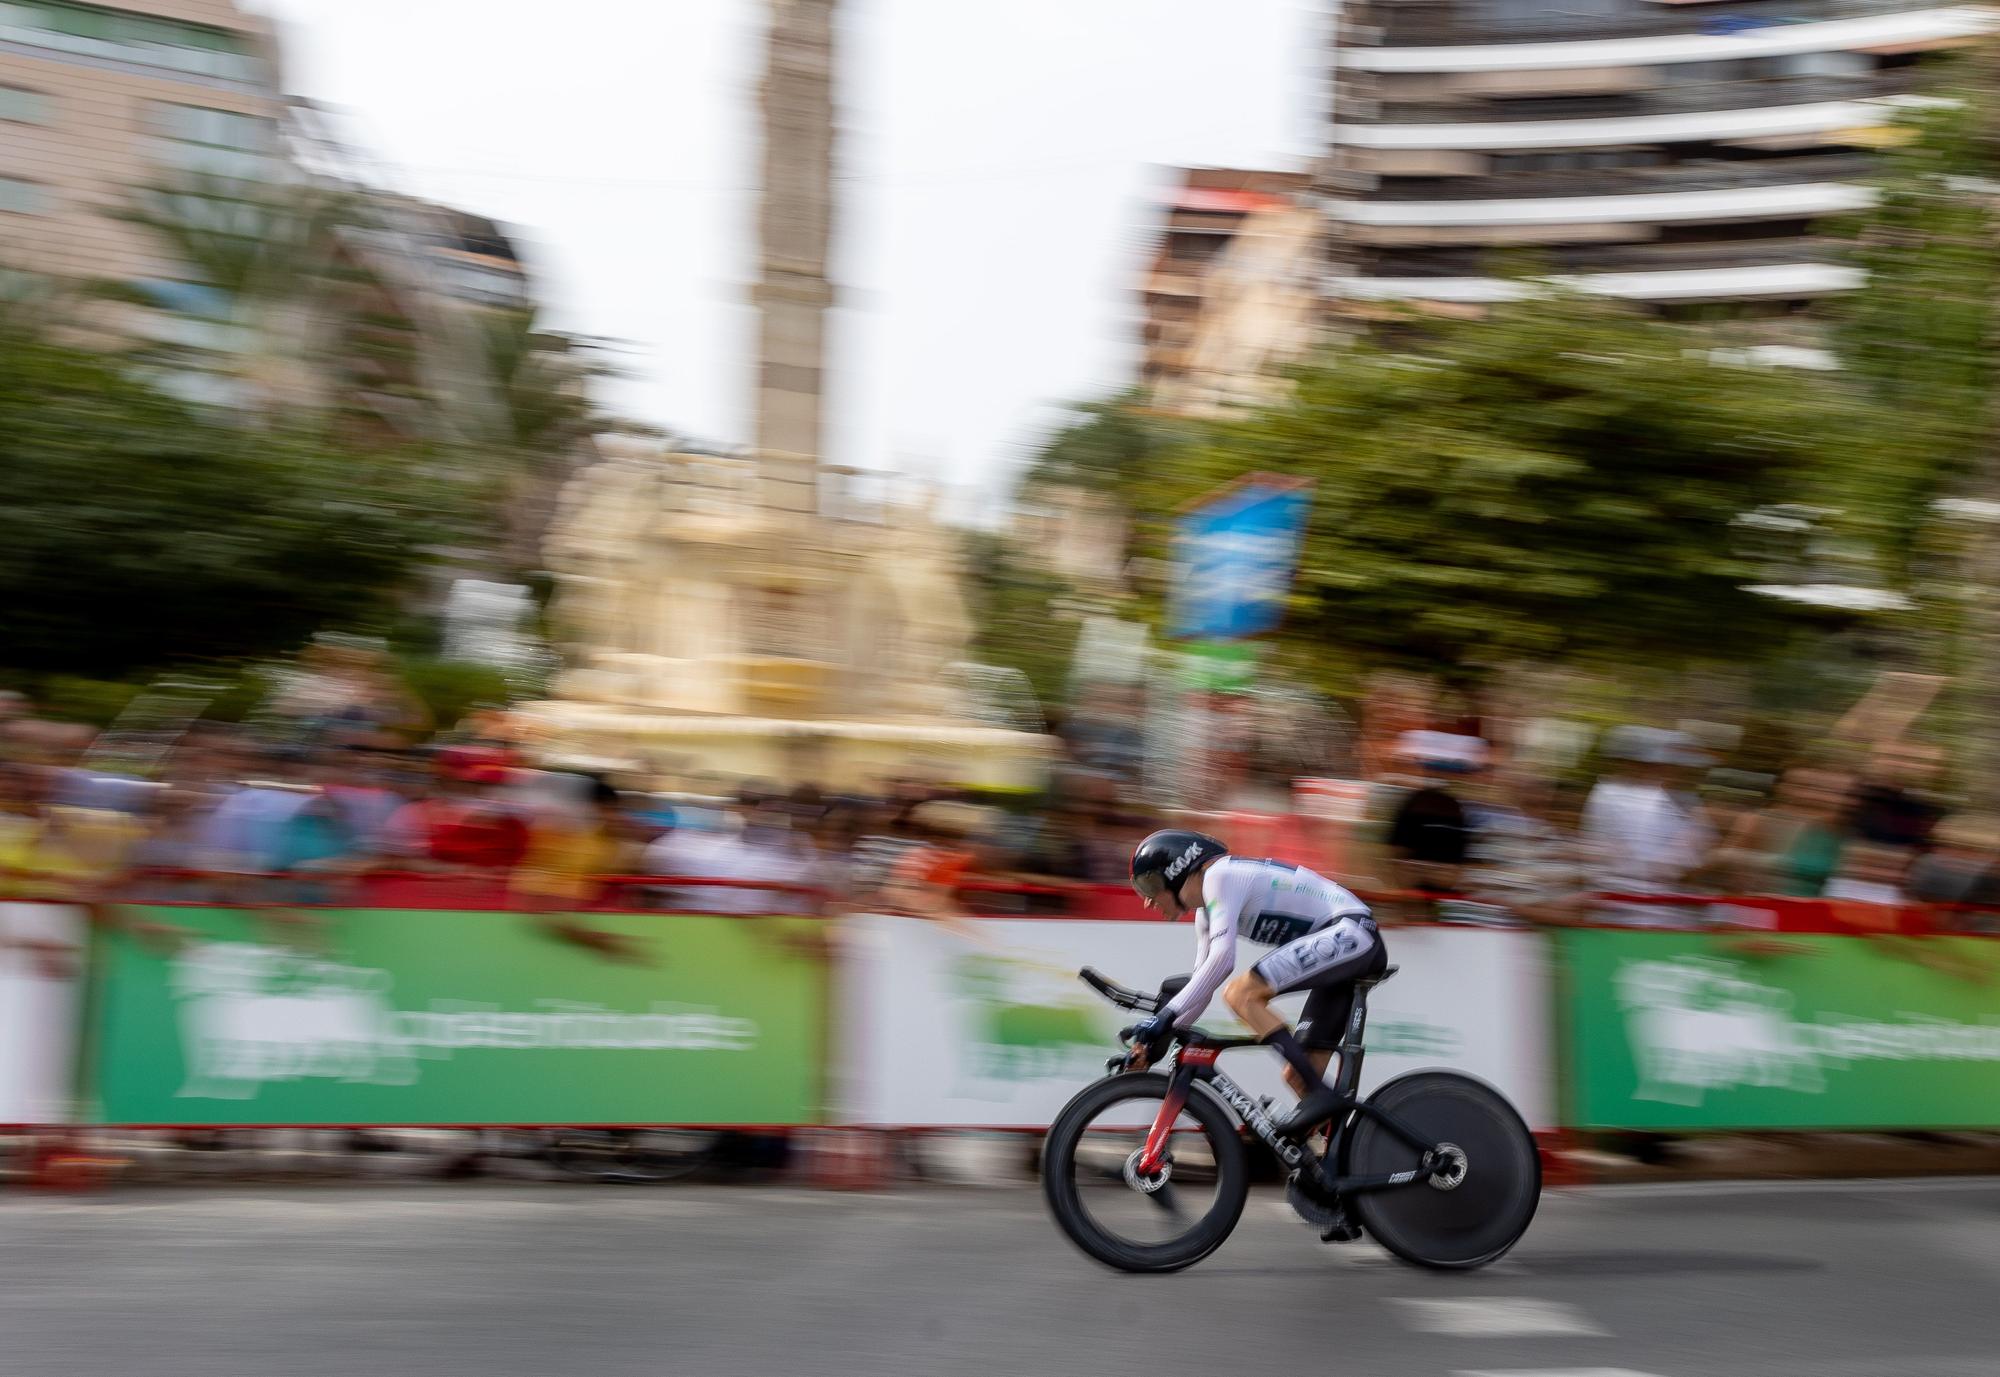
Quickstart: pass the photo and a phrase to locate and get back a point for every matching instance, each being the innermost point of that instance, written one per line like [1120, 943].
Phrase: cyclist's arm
[1215, 961]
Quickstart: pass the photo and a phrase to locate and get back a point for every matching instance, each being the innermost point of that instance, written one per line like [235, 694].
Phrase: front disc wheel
[1123, 1214]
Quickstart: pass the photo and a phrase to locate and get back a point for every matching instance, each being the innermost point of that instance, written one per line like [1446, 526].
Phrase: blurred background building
[1674, 155]
[1232, 288]
[239, 251]
[142, 140]
[753, 615]
[96, 99]
[420, 290]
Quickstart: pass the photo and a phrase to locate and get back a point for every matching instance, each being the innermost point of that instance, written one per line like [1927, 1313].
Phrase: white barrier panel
[41, 971]
[983, 1023]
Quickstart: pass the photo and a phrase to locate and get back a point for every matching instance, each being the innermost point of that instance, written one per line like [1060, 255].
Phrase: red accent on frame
[1163, 1124]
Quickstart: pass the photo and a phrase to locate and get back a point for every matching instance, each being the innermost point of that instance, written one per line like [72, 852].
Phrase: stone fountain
[744, 616]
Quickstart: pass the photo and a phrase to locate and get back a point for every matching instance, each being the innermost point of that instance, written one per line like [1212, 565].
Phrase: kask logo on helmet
[1183, 861]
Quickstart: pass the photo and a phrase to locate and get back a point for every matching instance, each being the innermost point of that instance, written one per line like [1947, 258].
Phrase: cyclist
[1324, 939]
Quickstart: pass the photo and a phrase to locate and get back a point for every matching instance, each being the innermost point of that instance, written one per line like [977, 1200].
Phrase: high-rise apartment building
[96, 100]
[1680, 155]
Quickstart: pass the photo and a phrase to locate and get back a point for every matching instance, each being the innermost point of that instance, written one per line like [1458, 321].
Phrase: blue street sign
[1234, 557]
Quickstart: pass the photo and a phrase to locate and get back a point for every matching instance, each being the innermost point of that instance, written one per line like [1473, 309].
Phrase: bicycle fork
[1153, 1156]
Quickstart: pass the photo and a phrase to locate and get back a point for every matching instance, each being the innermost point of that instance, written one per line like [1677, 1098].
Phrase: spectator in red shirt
[464, 825]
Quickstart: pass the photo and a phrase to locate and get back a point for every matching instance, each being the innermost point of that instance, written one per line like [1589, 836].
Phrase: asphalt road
[1891, 1280]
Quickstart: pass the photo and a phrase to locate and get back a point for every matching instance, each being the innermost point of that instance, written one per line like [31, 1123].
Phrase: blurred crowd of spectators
[335, 783]
[331, 787]
[1662, 818]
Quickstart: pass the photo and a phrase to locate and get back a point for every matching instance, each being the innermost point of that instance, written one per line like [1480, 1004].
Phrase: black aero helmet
[1165, 859]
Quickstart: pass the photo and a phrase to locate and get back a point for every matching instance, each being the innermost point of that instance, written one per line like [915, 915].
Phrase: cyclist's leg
[1330, 957]
[1327, 962]
[1323, 1021]
[1248, 995]
[1317, 1030]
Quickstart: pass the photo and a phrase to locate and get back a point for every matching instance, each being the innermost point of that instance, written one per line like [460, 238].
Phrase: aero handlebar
[1118, 994]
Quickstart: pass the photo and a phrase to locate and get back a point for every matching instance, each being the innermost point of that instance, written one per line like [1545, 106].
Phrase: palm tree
[540, 418]
[264, 271]
[316, 295]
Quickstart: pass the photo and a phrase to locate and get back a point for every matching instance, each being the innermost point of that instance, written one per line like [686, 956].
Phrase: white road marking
[1869, 1184]
[1498, 1317]
[1550, 1372]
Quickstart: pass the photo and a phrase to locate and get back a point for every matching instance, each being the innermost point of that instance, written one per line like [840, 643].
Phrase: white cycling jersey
[1267, 902]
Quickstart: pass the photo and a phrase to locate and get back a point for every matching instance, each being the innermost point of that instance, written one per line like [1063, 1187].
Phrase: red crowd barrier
[419, 889]
[1046, 900]
[1694, 912]
[1841, 917]
[1064, 900]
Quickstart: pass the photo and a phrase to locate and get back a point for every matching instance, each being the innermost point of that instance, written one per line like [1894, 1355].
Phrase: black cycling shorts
[1327, 963]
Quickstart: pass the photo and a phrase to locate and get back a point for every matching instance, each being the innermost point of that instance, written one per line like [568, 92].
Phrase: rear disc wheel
[1482, 1196]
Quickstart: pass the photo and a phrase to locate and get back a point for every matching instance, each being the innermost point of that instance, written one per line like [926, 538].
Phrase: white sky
[997, 170]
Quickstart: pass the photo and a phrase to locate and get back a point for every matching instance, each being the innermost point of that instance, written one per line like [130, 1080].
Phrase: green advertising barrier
[398, 1016]
[1687, 1031]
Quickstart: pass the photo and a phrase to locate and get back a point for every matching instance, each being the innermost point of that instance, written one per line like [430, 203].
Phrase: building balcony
[1644, 249]
[1786, 281]
[1637, 178]
[1830, 120]
[1657, 97]
[1453, 23]
[1905, 30]
[1810, 200]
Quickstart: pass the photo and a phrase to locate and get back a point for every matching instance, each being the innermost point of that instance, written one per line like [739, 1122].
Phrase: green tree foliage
[137, 532]
[1560, 482]
[540, 375]
[304, 295]
[451, 689]
[540, 418]
[1016, 615]
[1023, 614]
[1111, 444]
[1920, 338]
[1923, 339]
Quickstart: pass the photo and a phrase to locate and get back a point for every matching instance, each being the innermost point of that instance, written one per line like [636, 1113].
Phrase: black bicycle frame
[1195, 1061]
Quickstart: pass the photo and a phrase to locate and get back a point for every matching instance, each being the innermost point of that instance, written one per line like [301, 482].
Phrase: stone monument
[719, 614]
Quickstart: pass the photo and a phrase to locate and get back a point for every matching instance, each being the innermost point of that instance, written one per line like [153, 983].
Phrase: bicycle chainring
[1310, 1205]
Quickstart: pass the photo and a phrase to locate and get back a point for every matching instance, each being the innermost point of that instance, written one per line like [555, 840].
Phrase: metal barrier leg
[62, 1159]
[1560, 1165]
[852, 1159]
